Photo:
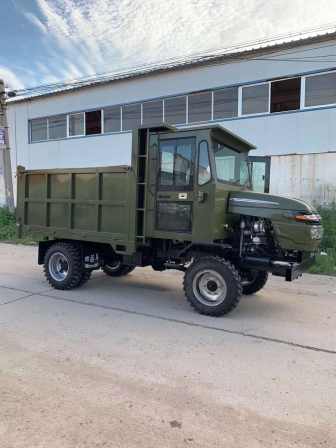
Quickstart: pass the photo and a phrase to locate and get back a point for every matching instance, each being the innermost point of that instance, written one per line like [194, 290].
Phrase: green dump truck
[185, 202]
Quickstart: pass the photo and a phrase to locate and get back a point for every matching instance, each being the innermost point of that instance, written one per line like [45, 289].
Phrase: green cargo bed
[94, 204]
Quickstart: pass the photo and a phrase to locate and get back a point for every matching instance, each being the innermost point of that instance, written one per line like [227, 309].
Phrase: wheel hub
[209, 287]
[58, 266]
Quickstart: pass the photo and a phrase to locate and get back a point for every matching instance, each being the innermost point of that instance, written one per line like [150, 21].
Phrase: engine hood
[290, 234]
[265, 205]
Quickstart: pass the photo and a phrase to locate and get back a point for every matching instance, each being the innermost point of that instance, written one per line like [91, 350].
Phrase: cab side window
[176, 164]
[204, 171]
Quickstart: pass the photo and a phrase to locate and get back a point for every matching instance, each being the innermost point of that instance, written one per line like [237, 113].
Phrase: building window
[112, 122]
[152, 113]
[255, 99]
[93, 122]
[320, 89]
[57, 127]
[76, 124]
[175, 110]
[199, 107]
[285, 95]
[226, 103]
[131, 116]
[39, 130]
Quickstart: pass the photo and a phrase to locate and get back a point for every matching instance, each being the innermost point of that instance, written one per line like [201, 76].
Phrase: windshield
[232, 166]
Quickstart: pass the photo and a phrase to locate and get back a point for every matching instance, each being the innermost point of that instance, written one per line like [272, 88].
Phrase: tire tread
[223, 308]
[77, 276]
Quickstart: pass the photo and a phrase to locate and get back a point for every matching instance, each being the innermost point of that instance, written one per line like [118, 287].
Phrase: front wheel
[212, 286]
[253, 281]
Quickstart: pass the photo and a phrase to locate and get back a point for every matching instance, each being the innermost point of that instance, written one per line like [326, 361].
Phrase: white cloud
[83, 37]
[10, 78]
[35, 21]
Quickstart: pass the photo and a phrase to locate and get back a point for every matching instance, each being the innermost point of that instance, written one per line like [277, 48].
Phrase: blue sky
[45, 41]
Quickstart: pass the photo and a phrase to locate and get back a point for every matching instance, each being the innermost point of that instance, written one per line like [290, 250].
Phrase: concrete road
[127, 363]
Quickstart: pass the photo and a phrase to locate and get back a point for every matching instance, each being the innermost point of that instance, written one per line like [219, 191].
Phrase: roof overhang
[221, 56]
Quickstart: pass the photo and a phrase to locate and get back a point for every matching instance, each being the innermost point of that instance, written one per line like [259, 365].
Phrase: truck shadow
[162, 292]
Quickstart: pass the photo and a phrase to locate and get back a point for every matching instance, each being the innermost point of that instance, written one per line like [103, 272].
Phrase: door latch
[202, 196]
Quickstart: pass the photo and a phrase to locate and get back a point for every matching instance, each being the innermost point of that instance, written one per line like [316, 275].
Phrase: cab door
[204, 187]
[260, 173]
[180, 186]
[171, 186]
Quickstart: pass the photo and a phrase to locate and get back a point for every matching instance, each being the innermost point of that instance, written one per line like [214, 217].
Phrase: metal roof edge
[233, 53]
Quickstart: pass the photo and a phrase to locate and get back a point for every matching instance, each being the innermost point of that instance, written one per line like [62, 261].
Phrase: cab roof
[218, 132]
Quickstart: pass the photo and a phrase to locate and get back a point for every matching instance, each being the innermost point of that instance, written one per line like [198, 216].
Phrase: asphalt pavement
[127, 363]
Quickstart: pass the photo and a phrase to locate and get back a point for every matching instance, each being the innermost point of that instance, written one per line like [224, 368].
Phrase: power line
[192, 58]
[101, 77]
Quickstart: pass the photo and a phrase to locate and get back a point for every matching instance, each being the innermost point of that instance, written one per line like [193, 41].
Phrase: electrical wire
[210, 57]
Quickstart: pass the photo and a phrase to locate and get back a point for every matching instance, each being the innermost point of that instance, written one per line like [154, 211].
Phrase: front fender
[290, 234]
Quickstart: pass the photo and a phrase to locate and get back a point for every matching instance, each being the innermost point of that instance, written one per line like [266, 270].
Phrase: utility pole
[5, 159]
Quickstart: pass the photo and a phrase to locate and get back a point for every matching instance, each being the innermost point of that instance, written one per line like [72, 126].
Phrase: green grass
[8, 232]
[7, 225]
[326, 262]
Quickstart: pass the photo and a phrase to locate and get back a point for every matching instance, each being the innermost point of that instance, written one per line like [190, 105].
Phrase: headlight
[309, 218]
[316, 232]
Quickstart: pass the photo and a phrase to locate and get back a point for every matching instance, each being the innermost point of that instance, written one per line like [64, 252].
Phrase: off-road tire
[76, 275]
[229, 274]
[85, 277]
[258, 283]
[123, 269]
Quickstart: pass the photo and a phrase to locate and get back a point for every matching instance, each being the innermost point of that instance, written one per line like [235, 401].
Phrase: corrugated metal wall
[311, 177]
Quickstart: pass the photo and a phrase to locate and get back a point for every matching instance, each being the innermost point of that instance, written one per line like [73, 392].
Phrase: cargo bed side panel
[84, 204]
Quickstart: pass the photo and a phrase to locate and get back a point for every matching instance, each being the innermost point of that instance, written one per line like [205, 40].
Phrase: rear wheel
[212, 286]
[85, 277]
[117, 269]
[253, 281]
[63, 266]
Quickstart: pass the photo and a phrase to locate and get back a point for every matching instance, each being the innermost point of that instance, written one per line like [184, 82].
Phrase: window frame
[240, 99]
[30, 130]
[270, 94]
[84, 127]
[165, 99]
[215, 167]
[122, 106]
[303, 88]
[267, 160]
[175, 187]
[239, 103]
[201, 92]
[198, 165]
[48, 128]
[162, 111]
[103, 120]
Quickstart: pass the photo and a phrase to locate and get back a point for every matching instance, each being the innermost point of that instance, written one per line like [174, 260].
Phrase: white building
[280, 95]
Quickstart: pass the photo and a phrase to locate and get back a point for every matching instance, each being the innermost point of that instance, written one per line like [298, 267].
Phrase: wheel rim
[209, 287]
[58, 266]
[113, 266]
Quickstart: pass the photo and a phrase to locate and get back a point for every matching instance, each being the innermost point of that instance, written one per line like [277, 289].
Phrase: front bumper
[290, 270]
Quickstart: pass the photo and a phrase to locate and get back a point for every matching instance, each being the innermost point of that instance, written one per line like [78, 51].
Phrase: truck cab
[185, 202]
